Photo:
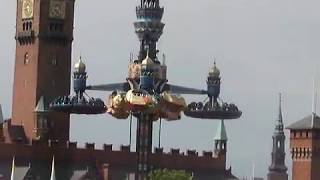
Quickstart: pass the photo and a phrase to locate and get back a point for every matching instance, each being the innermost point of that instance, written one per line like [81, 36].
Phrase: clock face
[57, 9]
[27, 9]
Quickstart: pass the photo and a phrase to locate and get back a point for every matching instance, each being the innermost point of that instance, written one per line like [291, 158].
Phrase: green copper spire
[221, 134]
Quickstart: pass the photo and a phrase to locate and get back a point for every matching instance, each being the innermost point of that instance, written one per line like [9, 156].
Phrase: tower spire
[279, 123]
[221, 139]
[278, 169]
[221, 133]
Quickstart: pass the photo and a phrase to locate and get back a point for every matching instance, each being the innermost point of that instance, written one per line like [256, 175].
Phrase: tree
[165, 174]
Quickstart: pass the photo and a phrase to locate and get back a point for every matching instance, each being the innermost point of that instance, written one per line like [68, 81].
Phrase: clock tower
[44, 35]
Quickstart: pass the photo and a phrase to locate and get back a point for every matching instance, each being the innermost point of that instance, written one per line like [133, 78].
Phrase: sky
[262, 48]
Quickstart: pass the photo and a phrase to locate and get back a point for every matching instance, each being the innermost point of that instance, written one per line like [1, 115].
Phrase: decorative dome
[147, 60]
[80, 66]
[214, 71]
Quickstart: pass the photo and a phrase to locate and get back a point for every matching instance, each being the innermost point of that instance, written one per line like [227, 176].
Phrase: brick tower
[44, 35]
[278, 169]
[305, 147]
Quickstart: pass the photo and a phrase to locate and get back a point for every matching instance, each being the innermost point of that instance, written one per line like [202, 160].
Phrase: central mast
[148, 28]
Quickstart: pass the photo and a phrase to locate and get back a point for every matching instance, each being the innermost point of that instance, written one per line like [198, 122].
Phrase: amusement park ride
[146, 93]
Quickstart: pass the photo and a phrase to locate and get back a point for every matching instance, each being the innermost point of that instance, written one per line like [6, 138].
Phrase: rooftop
[306, 123]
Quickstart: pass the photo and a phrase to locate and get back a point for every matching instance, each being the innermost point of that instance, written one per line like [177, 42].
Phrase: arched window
[24, 26]
[26, 59]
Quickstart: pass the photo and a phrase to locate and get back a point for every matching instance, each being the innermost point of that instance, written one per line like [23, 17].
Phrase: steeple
[221, 139]
[278, 169]
[221, 134]
[279, 122]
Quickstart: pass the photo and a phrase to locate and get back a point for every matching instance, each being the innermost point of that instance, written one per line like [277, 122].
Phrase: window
[294, 134]
[42, 122]
[27, 26]
[56, 27]
[26, 59]
[54, 61]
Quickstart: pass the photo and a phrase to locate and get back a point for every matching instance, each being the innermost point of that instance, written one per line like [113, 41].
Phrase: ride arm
[174, 89]
[110, 87]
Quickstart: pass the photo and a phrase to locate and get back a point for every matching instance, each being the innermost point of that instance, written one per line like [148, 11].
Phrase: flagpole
[13, 168]
[53, 176]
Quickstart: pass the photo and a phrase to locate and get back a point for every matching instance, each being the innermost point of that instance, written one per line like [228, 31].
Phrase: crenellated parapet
[123, 157]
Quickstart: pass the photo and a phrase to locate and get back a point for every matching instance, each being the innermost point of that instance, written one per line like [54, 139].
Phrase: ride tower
[148, 28]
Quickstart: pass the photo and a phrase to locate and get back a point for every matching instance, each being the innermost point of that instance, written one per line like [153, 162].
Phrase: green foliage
[165, 174]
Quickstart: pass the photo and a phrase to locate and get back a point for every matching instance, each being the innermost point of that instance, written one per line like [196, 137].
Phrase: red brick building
[305, 148]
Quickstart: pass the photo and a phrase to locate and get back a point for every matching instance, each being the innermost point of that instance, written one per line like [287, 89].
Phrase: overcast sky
[262, 47]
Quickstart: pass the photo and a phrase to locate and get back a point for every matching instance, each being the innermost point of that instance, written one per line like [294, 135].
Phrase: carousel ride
[146, 93]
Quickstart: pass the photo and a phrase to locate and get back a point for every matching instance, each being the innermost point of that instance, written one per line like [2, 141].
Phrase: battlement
[187, 153]
[116, 159]
[123, 149]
